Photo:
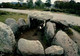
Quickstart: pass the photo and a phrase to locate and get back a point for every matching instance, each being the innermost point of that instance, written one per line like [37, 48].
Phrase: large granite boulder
[50, 31]
[63, 40]
[13, 24]
[76, 38]
[22, 24]
[30, 47]
[41, 15]
[7, 39]
[62, 22]
[54, 50]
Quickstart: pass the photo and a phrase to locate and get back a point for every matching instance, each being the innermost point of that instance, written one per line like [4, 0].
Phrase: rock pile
[53, 32]
[17, 27]
[56, 35]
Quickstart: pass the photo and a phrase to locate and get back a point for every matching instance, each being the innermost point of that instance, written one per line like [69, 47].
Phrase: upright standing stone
[28, 21]
[49, 32]
[50, 29]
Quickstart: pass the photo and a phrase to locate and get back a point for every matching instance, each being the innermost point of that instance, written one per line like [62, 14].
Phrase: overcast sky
[33, 0]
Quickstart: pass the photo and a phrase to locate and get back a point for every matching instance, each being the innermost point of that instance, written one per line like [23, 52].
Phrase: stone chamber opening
[35, 32]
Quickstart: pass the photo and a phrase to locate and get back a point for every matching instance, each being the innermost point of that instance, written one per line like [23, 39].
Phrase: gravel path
[70, 19]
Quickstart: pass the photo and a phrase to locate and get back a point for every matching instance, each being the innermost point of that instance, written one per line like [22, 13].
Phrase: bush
[77, 28]
[78, 12]
[71, 11]
[46, 9]
[3, 13]
[57, 10]
[54, 10]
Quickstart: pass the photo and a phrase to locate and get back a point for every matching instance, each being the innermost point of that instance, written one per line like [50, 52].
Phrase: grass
[77, 28]
[4, 15]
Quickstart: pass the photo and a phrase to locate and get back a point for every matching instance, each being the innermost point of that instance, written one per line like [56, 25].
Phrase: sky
[33, 0]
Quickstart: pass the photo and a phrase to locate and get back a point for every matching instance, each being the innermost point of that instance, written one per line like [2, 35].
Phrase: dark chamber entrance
[35, 23]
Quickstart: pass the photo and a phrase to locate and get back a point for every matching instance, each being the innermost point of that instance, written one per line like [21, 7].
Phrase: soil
[34, 34]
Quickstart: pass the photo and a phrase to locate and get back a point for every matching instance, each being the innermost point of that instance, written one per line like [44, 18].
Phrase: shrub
[46, 9]
[3, 13]
[77, 28]
[57, 10]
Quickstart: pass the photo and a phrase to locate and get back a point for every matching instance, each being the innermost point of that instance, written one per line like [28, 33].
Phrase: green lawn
[4, 15]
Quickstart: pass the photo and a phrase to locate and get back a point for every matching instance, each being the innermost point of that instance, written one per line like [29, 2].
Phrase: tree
[48, 3]
[38, 2]
[6, 5]
[30, 3]
[72, 0]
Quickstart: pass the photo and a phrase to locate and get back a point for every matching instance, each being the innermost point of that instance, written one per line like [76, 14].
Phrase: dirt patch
[34, 34]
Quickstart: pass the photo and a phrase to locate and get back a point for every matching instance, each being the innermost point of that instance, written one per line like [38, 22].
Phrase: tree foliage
[48, 3]
[70, 7]
[6, 5]
[39, 4]
[30, 3]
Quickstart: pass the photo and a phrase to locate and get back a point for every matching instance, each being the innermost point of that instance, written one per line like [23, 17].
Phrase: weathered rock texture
[22, 24]
[49, 32]
[13, 24]
[63, 40]
[28, 21]
[76, 38]
[50, 29]
[63, 22]
[54, 50]
[41, 15]
[33, 47]
[7, 39]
